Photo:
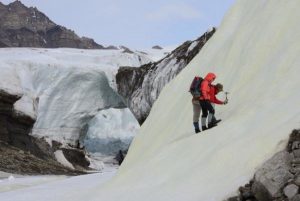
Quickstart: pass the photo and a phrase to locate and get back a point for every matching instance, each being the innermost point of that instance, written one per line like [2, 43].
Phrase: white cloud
[174, 11]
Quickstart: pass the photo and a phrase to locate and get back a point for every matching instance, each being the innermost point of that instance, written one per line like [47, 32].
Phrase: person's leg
[196, 115]
[211, 115]
[204, 107]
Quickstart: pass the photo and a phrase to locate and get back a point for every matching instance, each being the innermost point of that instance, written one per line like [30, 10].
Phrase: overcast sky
[135, 23]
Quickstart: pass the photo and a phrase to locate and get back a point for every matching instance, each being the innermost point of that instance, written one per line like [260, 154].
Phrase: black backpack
[195, 87]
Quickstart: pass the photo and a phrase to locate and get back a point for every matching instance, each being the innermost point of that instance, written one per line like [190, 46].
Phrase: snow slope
[48, 185]
[255, 54]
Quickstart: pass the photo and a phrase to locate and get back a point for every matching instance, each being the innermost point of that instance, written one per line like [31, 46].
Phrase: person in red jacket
[214, 90]
[205, 99]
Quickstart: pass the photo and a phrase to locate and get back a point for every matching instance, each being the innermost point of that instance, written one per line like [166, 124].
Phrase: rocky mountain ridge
[21, 26]
[141, 86]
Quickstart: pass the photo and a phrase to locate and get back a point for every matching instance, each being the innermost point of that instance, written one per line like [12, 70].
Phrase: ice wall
[63, 89]
[256, 55]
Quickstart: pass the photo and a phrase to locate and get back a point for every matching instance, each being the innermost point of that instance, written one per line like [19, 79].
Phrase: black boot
[215, 121]
[212, 121]
[212, 124]
[196, 125]
[203, 123]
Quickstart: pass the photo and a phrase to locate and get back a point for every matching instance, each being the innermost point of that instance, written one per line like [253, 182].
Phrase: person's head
[210, 77]
[219, 87]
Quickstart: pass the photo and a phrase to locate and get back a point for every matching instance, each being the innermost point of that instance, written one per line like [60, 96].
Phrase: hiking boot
[215, 121]
[204, 128]
[212, 125]
[213, 118]
[196, 125]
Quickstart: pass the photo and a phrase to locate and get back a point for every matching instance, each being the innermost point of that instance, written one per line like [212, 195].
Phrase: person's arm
[216, 101]
[205, 90]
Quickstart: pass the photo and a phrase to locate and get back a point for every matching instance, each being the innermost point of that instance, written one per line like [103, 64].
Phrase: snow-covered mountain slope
[255, 54]
[140, 87]
[63, 89]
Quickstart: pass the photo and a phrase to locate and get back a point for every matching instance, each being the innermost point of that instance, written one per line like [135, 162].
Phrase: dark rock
[21, 26]
[246, 193]
[56, 145]
[272, 176]
[261, 192]
[296, 145]
[236, 198]
[123, 47]
[143, 52]
[297, 180]
[22, 153]
[9, 98]
[140, 87]
[126, 50]
[296, 198]
[111, 47]
[295, 161]
[14, 126]
[296, 153]
[291, 190]
[294, 137]
[76, 157]
[14, 160]
[157, 47]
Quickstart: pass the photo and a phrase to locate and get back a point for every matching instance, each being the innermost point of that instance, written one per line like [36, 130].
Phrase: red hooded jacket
[206, 86]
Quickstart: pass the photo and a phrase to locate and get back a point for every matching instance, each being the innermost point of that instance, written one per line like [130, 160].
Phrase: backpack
[195, 87]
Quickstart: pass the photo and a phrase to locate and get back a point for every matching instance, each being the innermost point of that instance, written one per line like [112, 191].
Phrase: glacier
[255, 54]
[64, 89]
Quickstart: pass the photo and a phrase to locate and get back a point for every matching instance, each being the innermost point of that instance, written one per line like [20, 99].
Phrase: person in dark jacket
[120, 157]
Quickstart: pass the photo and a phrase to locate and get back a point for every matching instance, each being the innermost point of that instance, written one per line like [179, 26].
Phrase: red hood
[210, 77]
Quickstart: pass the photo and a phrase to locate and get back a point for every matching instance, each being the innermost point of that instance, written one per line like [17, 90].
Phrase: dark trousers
[206, 107]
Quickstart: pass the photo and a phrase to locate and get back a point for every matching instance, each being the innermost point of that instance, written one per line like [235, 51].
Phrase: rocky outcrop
[140, 87]
[14, 127]
[18, 161]
[126, 50]
[112, 47]
[278, 179]
[157, 47]
[76, 157]
[23, 154]
[21, 26]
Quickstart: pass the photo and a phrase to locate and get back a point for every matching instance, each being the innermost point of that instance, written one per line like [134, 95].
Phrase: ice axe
[226, 93]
